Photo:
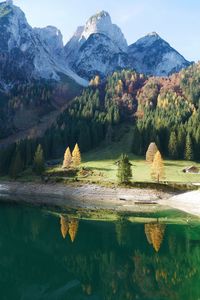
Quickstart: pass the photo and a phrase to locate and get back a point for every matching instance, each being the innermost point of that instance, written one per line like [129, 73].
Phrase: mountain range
[98, 48]
[39, 74]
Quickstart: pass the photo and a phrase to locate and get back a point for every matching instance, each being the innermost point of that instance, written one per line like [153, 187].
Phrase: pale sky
[176, 21]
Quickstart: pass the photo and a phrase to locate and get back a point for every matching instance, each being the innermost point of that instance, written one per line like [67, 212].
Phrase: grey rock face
[152, 55]
[27, 53]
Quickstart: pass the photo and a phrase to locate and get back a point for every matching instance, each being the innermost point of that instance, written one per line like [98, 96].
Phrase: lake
[46, 255]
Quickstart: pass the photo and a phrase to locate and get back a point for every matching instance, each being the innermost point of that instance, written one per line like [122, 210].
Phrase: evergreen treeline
[173, 124]
[163, 110]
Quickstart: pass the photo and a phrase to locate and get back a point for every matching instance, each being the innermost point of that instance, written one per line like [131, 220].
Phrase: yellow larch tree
[76, 156]
[67, 159]
[151, 152]
[157, 168]
[64, 226]
[91, 82]
[73, 229]
[97, 80]
[155, 234]
[119, 87]
[133, 77]
[147, 230]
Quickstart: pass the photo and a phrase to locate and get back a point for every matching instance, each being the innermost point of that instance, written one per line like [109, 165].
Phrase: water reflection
[70, 226]
[52, 256]
[64, 226]
[155, 234]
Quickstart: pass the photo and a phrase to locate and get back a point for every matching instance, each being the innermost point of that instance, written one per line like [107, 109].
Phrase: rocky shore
[83, 196]
[96, 197]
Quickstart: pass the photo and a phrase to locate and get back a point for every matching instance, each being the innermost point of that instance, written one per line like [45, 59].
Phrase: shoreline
[95, 197]
[87, 196]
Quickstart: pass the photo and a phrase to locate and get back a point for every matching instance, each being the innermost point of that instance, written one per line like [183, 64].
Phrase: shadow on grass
[108, 157]
[100, 169]
[170, 164]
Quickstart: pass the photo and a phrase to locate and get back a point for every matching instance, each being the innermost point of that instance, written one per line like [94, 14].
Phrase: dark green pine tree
[57, 144]
[94, 134]
[173, 146]
[137, 141]
[109, 134]
[6, 159]
[124, 173]
[116, 115]
[197, 144]
[181, 137]
[39, 163]
[188, 148]
[84, 139]
[16, 165]
[29, 157]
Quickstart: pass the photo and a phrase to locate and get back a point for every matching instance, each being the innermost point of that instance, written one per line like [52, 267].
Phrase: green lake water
[47, 256]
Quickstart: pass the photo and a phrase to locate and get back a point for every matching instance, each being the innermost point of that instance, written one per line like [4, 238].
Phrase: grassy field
[102, 162]
[105, 169]
[102, 167]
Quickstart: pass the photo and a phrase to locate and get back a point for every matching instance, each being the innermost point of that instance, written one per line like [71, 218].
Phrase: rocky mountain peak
[79, 32]
[152, 55]
[96, 47]
[99, 16]
[101, 23]
[153, 34]
[149, 39]
[99, 47]
[14, 26]
[52, 37]
[29, 53]
[9, 2]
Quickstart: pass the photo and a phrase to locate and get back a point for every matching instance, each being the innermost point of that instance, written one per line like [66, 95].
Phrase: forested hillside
[164, 110]
[26, 103]
[169, 114]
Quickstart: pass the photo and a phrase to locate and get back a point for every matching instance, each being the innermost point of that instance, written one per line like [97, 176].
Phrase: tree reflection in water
[110, 268]
[80, 260]
[155, 234]
[70, 226]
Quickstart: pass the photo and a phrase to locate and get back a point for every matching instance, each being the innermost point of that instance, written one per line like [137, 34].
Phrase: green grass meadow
[106, 170]
[102, 162]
